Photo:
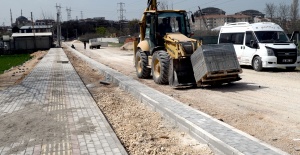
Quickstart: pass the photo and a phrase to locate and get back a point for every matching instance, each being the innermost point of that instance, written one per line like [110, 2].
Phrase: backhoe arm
[151, 5]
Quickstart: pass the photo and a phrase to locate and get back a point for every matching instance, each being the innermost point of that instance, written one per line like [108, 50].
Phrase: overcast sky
[109, 8]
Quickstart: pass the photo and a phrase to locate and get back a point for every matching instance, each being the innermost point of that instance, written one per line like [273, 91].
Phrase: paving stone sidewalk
[52, 112]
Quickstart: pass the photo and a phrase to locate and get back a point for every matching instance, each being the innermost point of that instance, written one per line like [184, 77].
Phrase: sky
[109, 8]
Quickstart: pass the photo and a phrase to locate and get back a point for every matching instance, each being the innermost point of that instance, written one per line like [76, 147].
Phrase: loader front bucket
[181, 73]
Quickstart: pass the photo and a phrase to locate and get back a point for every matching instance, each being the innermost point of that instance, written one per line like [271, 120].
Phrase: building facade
[208, 22]
[210, 18]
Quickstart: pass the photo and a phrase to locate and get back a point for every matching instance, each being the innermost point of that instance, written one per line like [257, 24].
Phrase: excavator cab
[158, 24]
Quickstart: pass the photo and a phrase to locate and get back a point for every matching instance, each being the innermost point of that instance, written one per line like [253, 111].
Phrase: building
[31, 41]
[213, 11]
[238, 18]
[252, 13]
[208, 22]
[213, 21]
[44, 22]
[22, 21]
[214, 17]
[45, 25]
[36, 29]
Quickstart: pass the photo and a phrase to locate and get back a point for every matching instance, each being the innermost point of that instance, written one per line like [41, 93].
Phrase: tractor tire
[160, 67]
[141, 63]
[257, 64]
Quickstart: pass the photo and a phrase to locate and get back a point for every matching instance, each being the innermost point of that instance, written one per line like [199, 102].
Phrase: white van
[261, 45]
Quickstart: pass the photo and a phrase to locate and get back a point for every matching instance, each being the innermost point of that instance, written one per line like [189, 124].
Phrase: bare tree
[270, 10]
[45, 15]
[163, 5]
[283, 15]
[294, 14]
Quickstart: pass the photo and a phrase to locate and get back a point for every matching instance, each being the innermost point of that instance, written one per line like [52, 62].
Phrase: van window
[271, 37]
[235, 38]
[249, 37]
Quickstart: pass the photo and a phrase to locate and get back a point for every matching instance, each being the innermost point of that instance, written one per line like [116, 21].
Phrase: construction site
[160, 92]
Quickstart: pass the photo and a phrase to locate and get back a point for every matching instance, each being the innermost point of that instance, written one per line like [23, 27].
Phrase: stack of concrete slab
[214, 58]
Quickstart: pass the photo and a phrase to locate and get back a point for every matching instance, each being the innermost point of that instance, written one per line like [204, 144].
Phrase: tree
[101, 31]
[294, 14]
[163, 5]
[283, 15]
[270, 10]
[133, 26]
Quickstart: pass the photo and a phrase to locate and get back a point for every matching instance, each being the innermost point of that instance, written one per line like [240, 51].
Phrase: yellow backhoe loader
[166, 50]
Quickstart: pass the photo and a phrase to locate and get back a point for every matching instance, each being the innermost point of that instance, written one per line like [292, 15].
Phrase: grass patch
[8, 61]
[115, 44]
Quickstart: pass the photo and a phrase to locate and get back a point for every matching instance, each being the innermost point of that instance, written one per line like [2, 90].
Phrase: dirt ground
[140, 130]
[263, 104]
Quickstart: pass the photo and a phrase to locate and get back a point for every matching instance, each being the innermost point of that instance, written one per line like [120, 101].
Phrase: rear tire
[141, 63]
[160, 67]
[257, 64]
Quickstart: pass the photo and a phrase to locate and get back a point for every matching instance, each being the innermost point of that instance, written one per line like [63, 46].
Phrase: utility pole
[81, 14]
[33, 31]
[58, 8]
[121, 10]
[69, 13]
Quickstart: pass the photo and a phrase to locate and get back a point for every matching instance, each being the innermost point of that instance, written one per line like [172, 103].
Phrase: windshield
[175, 22]
[271, 37]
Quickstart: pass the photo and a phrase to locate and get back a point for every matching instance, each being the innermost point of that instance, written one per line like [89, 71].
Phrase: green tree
[101, 31]
[133, 26]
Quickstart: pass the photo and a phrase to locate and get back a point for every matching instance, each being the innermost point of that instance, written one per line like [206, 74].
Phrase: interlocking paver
[63, 113]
